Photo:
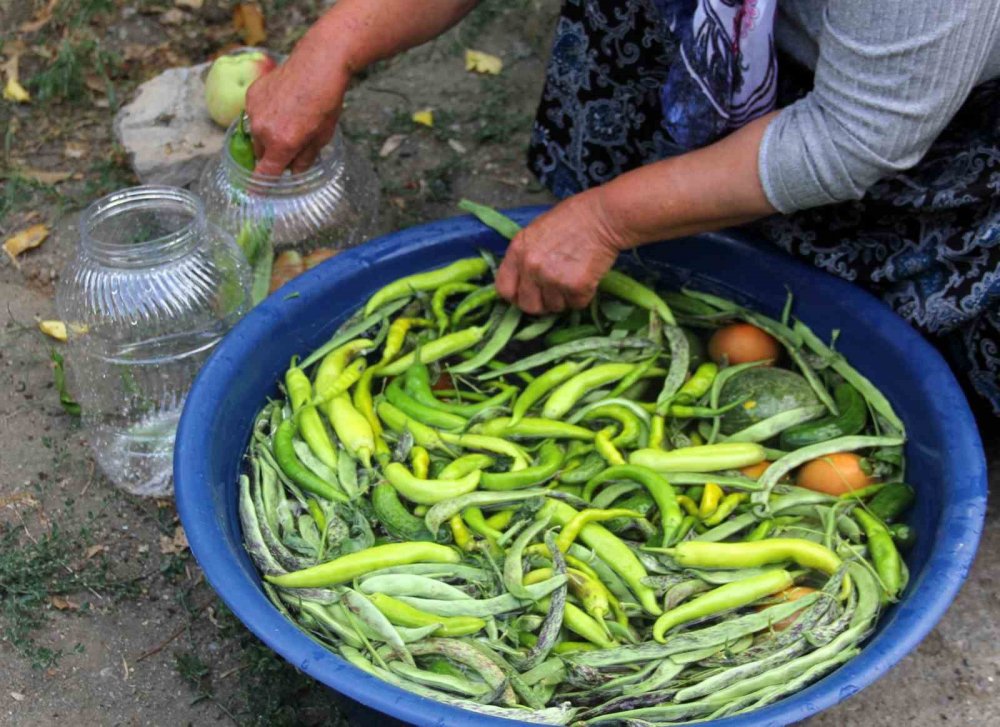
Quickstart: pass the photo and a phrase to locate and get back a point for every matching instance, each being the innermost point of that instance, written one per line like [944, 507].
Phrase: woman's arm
[294, 109]
[557, 261]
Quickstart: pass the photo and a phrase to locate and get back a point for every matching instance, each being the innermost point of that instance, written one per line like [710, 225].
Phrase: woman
[871, 147]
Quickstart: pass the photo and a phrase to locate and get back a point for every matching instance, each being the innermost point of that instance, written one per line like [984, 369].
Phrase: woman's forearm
[707, 189]
[355, 33]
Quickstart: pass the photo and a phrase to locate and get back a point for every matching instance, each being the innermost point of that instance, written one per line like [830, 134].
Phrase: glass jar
[152, 288]
[331, 206]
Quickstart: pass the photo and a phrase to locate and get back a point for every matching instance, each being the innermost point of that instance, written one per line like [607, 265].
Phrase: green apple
[228, 80]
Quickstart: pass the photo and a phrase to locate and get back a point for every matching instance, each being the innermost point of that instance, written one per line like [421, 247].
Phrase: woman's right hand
[294, 110]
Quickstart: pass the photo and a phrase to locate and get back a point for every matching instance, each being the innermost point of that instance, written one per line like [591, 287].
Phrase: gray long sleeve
[890, 75]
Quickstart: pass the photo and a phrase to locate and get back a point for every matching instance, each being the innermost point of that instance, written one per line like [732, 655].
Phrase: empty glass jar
[331, 205]
[152, 288]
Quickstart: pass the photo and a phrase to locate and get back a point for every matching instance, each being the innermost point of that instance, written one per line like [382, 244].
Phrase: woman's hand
[293, 113]
[557, 261]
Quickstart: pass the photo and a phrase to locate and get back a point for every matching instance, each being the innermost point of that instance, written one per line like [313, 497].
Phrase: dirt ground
[105, 618]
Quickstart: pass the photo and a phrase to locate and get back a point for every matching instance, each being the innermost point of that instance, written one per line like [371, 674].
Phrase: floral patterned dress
[927, 241]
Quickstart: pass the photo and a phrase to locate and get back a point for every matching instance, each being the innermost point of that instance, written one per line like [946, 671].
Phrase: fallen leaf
[63, 604]
[248, 20]
[458, 146]
[189, 4]
[94, 550]
[25, 240]
[174, 16]
[424, 117]
[53, 329]
[286, 266]
[13, 90]
[391, 144]
[17, 696]
[41, 19]
[317, 256]
[43, 177]
[176, 544]
[75, 150]
[480, 62]
[95, 83]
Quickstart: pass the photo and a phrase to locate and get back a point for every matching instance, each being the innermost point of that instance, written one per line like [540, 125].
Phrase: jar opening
[327, 165]
[142, 226]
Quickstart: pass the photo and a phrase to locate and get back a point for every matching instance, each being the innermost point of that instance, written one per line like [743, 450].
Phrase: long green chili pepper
[436, 350]
[289, 462]
[656, 485]
[723, 598]
[441, 295]
[417, 383]
[458, 271]
[543, 384]
[475, 300]
[414, 409]
[533, 428]
[884, 554]
[550, 458]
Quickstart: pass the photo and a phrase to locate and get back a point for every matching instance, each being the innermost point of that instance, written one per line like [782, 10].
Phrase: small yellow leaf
[424, 116]
[53, 329]
[25, 240]
[480, 62]
[14, 91]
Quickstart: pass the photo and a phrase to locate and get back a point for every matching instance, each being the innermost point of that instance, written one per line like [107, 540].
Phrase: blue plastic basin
[945, 457]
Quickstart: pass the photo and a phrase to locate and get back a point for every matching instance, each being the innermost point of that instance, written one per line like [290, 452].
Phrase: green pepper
[241, 146]
[891, 501]
[851, 420]
[550, 458]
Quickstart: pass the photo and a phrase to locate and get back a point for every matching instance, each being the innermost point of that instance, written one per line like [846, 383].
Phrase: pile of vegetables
[661, 509]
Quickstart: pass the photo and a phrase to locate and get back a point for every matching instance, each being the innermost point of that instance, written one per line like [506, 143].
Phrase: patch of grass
[65, 77]
[32, 571]
[496, 118]
[107, 175]
[81, 12]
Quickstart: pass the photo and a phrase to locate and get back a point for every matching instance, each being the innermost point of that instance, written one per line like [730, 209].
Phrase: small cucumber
[851, 420]
[394, 516]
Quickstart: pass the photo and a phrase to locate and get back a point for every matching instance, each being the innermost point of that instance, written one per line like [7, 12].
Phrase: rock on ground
[166, 130]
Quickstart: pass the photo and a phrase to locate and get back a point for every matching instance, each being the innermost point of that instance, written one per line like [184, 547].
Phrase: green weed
[32, 571]
[64, 79]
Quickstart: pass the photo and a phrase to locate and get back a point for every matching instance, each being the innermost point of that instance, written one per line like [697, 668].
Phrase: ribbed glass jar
[153, 286]
[333, 204]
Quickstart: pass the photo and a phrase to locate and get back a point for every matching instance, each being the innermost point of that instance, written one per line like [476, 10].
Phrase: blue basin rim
[947, 462]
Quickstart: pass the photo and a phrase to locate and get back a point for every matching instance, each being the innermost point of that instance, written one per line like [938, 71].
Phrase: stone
[166, 129]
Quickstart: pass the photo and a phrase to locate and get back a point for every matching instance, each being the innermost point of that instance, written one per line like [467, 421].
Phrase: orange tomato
[741, 343]
[834, 474]
[754, 471]
[794, 593]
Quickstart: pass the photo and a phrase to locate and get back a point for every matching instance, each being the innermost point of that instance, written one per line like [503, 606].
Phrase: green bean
[536, 329]
[488, 606]
[789, 462]
[462, 687]
[565, 350]
[368, 614]
[838, 363]
[722, 633]
[501, 335]
[443, 511]
[513, 570]
[775, 425]
[411, 585]
[679, 358]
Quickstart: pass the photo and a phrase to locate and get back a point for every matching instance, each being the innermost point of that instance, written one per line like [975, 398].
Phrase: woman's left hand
[557, 261]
